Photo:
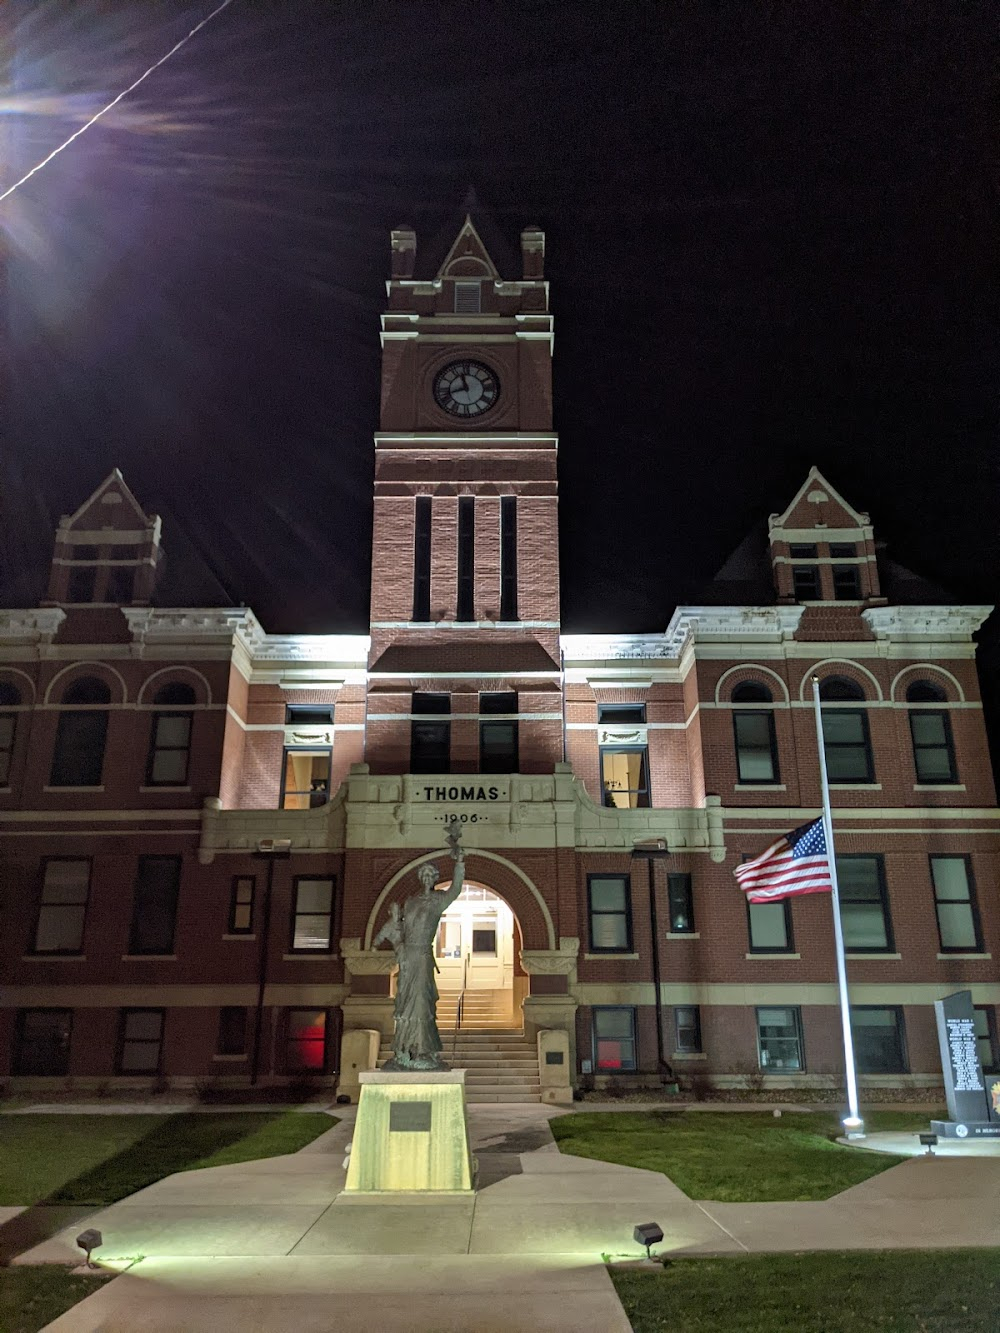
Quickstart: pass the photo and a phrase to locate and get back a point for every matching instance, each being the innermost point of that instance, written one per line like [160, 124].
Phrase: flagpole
[853, 1123]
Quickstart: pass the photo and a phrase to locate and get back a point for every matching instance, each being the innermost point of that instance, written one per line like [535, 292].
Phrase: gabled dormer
[107, 552]
[822, 549]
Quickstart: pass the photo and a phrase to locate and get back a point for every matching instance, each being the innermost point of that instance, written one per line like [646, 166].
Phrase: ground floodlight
[929, 1141]
[854, 1126]
[89, 1240]
[648, 1233]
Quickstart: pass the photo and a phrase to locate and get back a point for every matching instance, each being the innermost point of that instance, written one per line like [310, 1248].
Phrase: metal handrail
[461, 1002]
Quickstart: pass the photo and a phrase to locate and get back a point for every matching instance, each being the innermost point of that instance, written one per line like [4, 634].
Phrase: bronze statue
[416, 1041]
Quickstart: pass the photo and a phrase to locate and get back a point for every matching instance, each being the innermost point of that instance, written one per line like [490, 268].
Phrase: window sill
[855, 786]
[149, 958]
[689, 1055]
[770, 957]
[939, 786]
[759, 786]
[229, 1058]
[598, 957]
[53, 958]
[323, 955]
[166, 786]
[984, 956]
[876, 957]
[241, 936]
[683, 935]
[77, 789]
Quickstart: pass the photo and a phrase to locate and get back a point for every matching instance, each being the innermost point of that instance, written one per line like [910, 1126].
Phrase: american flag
[796, 863]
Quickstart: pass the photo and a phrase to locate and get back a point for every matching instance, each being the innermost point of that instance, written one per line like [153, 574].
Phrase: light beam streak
[104, 110]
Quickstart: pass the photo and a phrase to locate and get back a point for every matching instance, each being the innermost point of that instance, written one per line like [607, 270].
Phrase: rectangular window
[312, 916]
[62, 907]
[614, 1038]
[985, 1019]
[42, 1041]
[955, 904]
[309, 715]
[770, 927]
[803, 550]
[241, 905]
[78, 758]
[756, 746]
[610, 914]
[305, 779]
[847, 745]
[846, 583]
[154, 904]
[508, 558]
[305, 1047]
[779, 1038]
[484, 940]
[805, 583]
[8, 726]
[843, 550]
[430, 741]
[468, 298]
[621, 715]
[933, 749]
[121, 585]
[687, 1029]
[466, 558]
[232, 1039]
[625, 777]
[81, 584]
[140, 1041]
[498, 739]
[169, 750]
[422, 558]
[681, 904]
[864, 904]
[879, 1047]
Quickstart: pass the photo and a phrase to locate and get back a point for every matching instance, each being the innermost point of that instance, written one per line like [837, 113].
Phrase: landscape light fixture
[648, 1233]
[89, 1240]
[854, 1126]
[929, 1141]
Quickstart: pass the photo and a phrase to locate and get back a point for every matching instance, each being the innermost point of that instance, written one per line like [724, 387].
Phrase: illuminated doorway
[475, 943]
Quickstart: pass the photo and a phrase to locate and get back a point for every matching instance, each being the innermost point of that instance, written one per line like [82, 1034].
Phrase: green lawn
[734, 1156]
[98, 1159]
[30, 1298]
[930, 1291]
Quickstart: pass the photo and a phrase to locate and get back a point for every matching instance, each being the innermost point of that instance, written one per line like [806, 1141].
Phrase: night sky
[769, 233]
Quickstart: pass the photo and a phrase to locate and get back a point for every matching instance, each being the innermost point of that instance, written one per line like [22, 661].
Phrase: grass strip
[31, 1297]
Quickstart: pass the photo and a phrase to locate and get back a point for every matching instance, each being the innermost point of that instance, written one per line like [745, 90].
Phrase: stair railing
[459, 1006]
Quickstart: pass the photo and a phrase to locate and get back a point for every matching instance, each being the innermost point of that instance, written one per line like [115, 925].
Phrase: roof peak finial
[471, 201]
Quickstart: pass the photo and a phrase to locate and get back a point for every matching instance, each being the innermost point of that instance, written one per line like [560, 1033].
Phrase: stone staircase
[482, 1011]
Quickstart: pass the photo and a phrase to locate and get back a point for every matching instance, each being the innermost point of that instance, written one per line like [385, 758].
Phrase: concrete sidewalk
[274, 1244]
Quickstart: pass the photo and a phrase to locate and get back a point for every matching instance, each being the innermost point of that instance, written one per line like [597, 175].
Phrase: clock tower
[465, 578]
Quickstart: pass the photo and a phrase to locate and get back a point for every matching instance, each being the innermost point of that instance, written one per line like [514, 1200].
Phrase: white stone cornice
[615, 647]
[38, 625]
[925, 623]
[743, 624]
[348, 650]
[193, 625]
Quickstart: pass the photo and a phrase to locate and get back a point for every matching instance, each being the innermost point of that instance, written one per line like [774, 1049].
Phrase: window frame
[308, 951]
[845, 595]
[866, 742]
[17, 1049]
[34, 951]
[879, 859]
[133, 934]
[234, 904]
[304, 1071]
[789, 946]
[465, 561]
[123, 1015]
[972, 900]
[69, 717]
[625, 912]
[990, 1035]
[812, 573]
[904, 1058]
[154, 748]
[695, 1046]
[918, 747]
[740, 711]
[508, 560]
[422, 516]
[326, 750]
[641, 791]
[223, 1047]
[426, 717]
[683, 880]
[796, 1011]
[595, 1038]
[7, 748]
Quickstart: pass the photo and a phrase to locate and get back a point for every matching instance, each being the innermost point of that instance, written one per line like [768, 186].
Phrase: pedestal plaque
[411, 1135]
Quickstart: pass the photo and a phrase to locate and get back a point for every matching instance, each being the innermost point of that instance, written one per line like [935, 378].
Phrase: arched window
[78, 758]
[846, 739]
[930, 733]
[10, 697]
[170, 736]
[753, 728]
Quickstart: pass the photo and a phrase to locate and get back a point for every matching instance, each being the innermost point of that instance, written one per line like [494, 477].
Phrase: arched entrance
[477, 952]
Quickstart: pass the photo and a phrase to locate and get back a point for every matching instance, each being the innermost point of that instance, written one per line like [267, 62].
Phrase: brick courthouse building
[202, 825]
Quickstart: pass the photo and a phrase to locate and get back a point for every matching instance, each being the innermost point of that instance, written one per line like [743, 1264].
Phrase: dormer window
[805, 582]
[468, 298]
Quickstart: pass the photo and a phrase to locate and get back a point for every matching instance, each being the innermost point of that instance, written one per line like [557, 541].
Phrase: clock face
[466, 389]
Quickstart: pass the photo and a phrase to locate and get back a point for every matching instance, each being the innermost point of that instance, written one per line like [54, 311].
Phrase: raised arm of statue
[452, 837]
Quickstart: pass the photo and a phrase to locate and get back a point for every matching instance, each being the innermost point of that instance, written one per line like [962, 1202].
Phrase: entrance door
[42, 1041]
[475, 940]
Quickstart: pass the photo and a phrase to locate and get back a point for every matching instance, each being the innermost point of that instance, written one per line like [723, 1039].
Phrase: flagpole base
[854, 1127]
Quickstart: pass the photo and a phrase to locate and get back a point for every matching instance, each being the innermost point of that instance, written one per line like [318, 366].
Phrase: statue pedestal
[411, 1135]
